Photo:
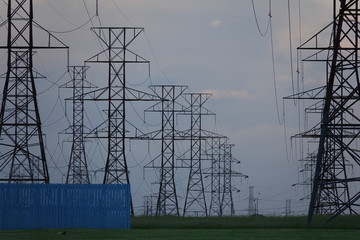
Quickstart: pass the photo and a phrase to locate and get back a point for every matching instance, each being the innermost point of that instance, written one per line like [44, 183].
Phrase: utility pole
[78, 169]
[22, 158]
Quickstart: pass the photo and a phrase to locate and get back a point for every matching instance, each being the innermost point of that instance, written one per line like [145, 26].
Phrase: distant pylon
[167, 202]
[288, 207]
[216, 146]
[149, 205]
[77, 169]
[195, 201]
[22, 153]
[252, 203]
[227, 203]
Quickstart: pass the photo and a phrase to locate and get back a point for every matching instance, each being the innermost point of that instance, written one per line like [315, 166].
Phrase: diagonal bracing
[117, 56]
[22, 156]
[334, 190]
[77, 169]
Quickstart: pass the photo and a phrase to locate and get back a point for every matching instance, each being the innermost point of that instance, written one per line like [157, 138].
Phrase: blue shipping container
[32, 206]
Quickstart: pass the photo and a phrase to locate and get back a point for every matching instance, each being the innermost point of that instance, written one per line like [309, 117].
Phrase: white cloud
[215, 23]
[230, 93]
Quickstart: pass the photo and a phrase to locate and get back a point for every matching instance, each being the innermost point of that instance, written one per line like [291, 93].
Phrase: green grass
[256, 227]
[168, 222]
[208, 234]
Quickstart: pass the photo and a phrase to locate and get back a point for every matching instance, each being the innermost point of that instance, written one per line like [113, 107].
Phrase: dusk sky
[211, 46]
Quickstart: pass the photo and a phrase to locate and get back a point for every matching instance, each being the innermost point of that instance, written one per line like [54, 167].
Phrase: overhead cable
[257, 22]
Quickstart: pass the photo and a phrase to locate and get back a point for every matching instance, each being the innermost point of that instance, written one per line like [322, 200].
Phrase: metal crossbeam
[22, 156]
[117, 55]
[331, 194]
[77, 169]
[167, 202]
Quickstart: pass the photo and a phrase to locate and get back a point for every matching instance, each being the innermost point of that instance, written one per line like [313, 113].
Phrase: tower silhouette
[195, 200]
[333, 189]
[22, 157]
[117, 55]
[78, 168]
[167, 202]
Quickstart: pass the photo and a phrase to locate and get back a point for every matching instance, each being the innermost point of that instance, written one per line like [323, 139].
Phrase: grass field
[347, 227]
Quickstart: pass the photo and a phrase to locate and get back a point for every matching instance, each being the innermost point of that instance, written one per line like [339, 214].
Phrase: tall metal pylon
[339, 124]
[117, 55]
[195, 201]
[22, 156]
[334, 192]
[167, 202]
[227, 203]
[78, 168]
[217, 154]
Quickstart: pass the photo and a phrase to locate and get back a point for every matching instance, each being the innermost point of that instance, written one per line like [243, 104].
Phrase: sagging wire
[274, 70]
[263, 34]
[291, 54]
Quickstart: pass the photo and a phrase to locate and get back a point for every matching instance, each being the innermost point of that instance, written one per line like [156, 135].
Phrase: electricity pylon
[334, 192]
[117, 55]
[195, 200]
[252, 203]
[22, 156]
[216, 154]
[149, 205]
[288, 207]
[77, 169]
[227, 202]
[167, 202]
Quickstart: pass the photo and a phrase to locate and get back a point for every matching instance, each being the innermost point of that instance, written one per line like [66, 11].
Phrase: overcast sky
[210, 46]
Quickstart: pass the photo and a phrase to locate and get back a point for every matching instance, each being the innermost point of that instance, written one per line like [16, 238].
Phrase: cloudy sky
[210, 46]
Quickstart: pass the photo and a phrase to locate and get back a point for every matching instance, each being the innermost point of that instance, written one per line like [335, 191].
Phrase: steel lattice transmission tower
[22, 147]
[334, 191]
[195, 200]
[227, 203]
[217, 154]
[77, 170]
[117, 55]
[167, 202]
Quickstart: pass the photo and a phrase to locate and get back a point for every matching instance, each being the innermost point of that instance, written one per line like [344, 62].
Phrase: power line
[291, 55]
[75, 29]
[257, 22]
[56, 83]
[122, 13]
[59, 13]
[274, 70]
